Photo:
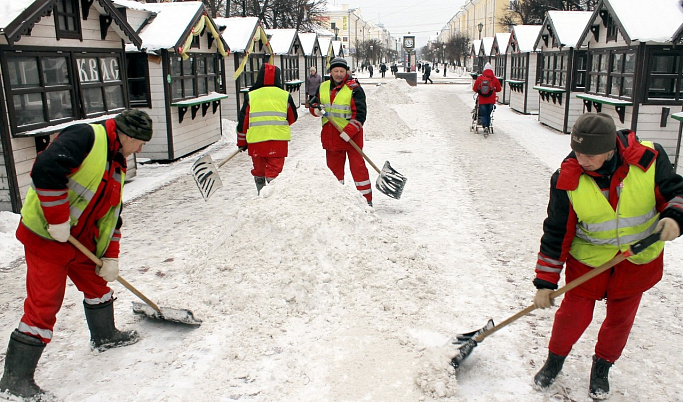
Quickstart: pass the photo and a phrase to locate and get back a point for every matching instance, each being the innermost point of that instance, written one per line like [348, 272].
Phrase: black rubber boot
[260, 182]
[552, 367]
[599, 387]
[103, 333]
[23, 353]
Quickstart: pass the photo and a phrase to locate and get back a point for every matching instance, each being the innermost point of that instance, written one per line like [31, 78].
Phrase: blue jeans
[485, 114]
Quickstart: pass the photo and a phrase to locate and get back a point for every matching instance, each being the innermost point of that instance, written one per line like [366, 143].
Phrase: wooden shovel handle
[633, 250]
[224, 161]
[353, 144]
[122, 281]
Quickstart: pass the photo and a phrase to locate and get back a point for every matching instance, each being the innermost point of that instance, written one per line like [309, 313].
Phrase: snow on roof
[526, 36]
[476, 44]
[487, 44]
[502, 39]
[238, 31]
[131, 4]
[10, 10]
[281, 40]
[569, 25]
[651, 21]
[307, 42]
[170, 25]
[325, 45]
[337, 48]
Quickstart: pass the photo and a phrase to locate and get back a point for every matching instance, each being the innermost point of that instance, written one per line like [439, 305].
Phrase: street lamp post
[480, 26]
[334, 27]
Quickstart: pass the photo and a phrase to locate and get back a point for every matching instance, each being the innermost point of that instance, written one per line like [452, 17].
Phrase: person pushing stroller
[486, 86]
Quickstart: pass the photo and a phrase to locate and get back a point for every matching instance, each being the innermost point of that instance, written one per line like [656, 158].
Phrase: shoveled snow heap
[312, 249]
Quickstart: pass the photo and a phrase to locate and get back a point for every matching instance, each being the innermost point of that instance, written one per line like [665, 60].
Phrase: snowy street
[308, 294]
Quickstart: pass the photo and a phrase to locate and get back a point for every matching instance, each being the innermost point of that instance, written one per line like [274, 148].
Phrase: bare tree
[302, 15]
[529, 12]
[458, 48]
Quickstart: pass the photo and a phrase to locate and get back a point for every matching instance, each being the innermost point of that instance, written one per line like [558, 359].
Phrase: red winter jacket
[487, 74]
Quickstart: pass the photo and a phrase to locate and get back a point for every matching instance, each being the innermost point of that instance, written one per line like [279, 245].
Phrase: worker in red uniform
[263, 125]
[613, 190]
[344, 100]
[76, 190]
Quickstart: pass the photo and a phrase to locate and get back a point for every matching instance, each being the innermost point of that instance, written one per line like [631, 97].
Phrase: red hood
[488, 73]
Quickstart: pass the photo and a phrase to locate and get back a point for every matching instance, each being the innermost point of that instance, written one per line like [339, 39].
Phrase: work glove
[60, 232]
[668, 229]
[543, 299]
[109, 270]
[242, 148]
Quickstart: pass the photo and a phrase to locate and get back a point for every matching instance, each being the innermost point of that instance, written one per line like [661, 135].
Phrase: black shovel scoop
[468, 341]
[389, 181]
[151, 309]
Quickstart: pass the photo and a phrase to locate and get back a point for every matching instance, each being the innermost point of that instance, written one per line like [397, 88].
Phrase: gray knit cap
[594, 134]
[339, 62]
[135, 123]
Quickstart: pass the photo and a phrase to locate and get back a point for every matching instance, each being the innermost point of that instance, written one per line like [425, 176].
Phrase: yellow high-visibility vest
[340, 109]
[601, 231]
[268, 115]
[82, 187]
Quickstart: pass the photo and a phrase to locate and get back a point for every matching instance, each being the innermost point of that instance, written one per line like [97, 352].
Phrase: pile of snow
[383, 122]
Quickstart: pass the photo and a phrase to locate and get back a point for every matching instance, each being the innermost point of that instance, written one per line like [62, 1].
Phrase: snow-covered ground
[308, 294]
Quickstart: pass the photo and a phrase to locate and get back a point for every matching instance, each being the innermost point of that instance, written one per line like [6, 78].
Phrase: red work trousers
[49, 263]
[576, 313]
[269, 167]
[336, 161]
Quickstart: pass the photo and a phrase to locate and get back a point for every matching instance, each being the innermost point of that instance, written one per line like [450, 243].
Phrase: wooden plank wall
[24, 149]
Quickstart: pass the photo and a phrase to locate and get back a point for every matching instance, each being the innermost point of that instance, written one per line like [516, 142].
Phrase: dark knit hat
[594, 134]
[135, 123]
[338, 62]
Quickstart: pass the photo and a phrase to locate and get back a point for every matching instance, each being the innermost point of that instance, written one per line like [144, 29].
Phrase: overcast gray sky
[421, 18]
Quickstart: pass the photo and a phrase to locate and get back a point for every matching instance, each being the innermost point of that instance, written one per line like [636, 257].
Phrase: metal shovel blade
[167, 314]
[468, 342]
[390, 182]
[206, 176]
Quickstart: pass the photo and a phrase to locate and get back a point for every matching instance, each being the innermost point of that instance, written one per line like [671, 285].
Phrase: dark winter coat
[312, 84]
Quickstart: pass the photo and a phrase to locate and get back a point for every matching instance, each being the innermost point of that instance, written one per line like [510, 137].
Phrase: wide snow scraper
[389, 181]
[151, 310]
[468, 341]
[205, 174]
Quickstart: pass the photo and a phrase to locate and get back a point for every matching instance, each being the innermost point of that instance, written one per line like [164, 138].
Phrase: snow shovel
[151, 309]
[389, 181]
[470, 340]
[206, 176]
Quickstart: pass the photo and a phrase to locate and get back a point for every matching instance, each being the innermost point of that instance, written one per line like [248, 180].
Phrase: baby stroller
[476, 119]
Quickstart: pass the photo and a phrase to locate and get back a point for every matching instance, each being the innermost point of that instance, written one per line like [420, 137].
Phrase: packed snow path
[307, 294]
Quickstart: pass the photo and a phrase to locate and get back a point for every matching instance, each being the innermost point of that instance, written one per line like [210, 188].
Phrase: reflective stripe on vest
[268, 115]
[82, 187]
[340, 109]
[601, 231]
